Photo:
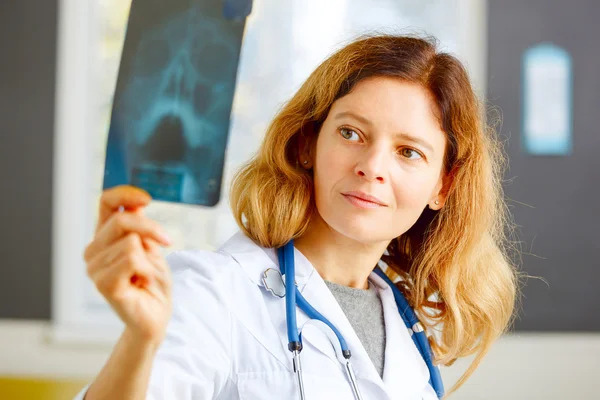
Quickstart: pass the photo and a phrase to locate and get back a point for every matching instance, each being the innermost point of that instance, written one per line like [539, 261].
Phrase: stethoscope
[293, 299]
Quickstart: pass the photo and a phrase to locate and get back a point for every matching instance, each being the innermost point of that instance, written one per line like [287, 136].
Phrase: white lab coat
[227, 337]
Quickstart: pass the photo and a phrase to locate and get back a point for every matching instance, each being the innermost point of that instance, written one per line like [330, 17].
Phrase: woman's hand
[125, 263]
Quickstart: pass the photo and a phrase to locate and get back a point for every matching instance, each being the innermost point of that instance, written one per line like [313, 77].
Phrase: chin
[366, 233]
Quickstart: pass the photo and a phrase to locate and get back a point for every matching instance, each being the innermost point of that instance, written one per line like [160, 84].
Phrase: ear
[442, 189]
[306, 146]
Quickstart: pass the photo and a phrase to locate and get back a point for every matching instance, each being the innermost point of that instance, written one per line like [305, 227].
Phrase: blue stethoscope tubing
[293, 299]
[418, 335]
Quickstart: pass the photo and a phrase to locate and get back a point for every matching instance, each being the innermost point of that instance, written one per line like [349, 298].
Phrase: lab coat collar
[243, 250]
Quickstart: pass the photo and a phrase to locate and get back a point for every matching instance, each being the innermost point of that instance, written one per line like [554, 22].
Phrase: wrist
[142, 344]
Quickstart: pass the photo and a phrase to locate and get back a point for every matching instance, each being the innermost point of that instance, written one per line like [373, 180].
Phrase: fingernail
[166, 239]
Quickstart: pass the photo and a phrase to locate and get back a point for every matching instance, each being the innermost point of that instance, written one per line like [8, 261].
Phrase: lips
[365, 197]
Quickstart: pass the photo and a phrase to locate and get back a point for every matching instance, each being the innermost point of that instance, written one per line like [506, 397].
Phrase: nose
[371, 165]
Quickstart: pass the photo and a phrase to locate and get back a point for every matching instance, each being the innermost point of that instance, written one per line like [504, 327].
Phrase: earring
[305, 162]
[437, 203]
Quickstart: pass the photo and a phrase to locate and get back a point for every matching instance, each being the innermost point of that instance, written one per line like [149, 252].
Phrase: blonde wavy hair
[454, 264]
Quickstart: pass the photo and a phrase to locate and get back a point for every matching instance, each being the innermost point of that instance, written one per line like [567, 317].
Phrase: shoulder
[200, 278]
[237, 264]
[200, 264]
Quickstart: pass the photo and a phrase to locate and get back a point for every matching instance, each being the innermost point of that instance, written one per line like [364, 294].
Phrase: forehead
[392, 105]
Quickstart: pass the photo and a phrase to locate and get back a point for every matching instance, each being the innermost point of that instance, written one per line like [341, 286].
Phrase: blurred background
[534, 63]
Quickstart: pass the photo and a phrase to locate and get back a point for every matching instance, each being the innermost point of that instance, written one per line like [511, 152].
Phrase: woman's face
[381, 140]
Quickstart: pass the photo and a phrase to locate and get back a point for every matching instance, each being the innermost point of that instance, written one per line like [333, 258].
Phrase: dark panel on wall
[27, 79]
[559, 221]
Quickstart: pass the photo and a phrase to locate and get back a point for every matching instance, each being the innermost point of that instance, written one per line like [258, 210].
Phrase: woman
[380, 156]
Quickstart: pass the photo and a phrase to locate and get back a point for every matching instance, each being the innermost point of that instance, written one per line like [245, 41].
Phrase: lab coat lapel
[254, 260]
[401, 355]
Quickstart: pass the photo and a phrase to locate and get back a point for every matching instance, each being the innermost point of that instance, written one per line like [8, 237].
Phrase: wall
[552, 198]
[27, 79]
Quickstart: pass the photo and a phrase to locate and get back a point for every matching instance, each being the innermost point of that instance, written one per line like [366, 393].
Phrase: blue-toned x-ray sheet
[170, 117]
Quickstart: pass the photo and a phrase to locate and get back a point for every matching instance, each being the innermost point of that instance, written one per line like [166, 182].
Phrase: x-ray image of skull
[176, 104]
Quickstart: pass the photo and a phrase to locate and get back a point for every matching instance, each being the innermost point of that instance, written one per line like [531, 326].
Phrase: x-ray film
[172, 103]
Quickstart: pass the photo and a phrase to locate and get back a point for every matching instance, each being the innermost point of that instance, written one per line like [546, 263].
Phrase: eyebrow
[402, 135]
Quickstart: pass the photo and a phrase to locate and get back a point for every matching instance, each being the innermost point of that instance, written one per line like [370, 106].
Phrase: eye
[410, 154]
[349, 134]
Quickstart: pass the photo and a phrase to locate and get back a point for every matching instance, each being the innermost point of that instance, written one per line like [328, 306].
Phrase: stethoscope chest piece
[273, 282]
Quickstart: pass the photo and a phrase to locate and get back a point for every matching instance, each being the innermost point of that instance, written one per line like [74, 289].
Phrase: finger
[106, 257]
[154, 254]
[126, 196]
[126, 257]
[131, 244]
[129, 270]
[162, 275]
[122, 224]
[155, 257]
[151, 246]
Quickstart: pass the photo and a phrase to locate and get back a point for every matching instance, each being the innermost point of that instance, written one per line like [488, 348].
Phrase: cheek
[412, 192]
[324, 178]
[330, 167]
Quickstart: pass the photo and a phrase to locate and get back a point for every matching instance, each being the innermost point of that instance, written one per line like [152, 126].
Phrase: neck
[338, 258]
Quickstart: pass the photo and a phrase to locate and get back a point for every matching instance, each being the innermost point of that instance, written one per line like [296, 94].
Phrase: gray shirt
[364, 311]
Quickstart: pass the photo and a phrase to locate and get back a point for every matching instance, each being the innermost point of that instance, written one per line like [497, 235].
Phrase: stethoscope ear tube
[314, 314]
[325, 329]
[352, 379]
[342, 355]
[298, 372]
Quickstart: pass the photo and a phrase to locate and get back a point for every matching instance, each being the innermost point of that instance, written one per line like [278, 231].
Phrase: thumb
[126, 196]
